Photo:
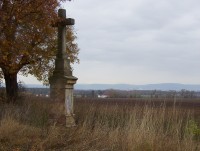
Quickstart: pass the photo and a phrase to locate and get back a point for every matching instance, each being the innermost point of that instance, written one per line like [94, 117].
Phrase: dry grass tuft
[101, 126]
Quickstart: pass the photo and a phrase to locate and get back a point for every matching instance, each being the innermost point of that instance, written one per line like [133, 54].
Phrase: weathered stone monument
[62, 81]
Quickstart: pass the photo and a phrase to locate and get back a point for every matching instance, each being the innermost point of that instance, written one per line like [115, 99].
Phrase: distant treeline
[111, 93]
[42, 91]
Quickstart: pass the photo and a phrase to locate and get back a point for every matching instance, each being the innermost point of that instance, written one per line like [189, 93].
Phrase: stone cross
[62, 81]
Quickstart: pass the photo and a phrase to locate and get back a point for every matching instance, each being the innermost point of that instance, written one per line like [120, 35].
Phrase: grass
[36, 124]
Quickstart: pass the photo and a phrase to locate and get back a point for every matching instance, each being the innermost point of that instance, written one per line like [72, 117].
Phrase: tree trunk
[11, 87]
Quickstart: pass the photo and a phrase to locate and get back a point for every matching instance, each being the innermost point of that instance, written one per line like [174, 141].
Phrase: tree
[28, 41]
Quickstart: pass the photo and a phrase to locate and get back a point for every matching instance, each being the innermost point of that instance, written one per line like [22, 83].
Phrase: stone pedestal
[61, 90]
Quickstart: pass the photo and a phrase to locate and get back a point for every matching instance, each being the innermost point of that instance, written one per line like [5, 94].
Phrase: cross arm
[68, 21]
[65, 22]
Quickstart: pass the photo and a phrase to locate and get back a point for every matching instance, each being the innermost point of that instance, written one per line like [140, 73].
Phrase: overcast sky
[136, 41]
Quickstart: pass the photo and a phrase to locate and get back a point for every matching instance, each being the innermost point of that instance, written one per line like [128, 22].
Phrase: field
[35, 124]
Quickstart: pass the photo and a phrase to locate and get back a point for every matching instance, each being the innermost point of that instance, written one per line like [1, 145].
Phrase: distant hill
[162, 86]
[35, 86]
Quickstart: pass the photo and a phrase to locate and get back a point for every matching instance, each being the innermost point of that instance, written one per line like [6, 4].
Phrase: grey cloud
[149, 40]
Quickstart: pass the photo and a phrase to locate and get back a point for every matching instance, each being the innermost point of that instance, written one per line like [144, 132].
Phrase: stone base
[58, 86]
[70, 122]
